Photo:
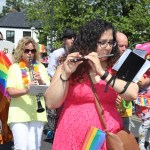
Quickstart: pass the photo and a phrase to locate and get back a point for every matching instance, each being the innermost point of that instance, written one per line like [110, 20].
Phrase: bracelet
[113, 78]
[126, 104]
[125, 87]
[63, 79]
[103, 77]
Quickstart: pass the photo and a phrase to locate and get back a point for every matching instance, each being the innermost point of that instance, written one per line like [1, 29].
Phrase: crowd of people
[68, 102]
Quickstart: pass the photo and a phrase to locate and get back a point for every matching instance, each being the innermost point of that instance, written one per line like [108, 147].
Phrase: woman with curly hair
[24, 120]
[71, 81]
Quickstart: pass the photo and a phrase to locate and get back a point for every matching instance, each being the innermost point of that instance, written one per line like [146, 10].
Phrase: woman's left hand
[37, 77]
[94, 62]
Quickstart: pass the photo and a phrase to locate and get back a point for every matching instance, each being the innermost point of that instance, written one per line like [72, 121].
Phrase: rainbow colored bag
[94, 139]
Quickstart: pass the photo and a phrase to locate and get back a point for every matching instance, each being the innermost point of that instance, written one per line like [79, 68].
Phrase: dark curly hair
[86, 42]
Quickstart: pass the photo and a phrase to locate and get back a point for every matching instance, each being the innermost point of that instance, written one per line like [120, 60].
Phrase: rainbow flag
[4, 66]
[41, 48]
[142, 101]
[94, 139]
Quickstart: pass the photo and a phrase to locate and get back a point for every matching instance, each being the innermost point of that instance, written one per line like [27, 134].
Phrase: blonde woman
[24, 120]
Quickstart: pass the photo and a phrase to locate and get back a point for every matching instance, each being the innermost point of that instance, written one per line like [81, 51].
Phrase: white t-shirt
[53, 60]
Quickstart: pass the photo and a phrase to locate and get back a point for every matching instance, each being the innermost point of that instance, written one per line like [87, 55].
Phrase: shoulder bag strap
[98, 105]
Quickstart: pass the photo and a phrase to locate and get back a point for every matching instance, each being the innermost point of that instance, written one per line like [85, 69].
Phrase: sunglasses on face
[33, 51]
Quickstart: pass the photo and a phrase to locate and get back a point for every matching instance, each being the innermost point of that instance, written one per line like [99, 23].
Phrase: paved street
[46, 145]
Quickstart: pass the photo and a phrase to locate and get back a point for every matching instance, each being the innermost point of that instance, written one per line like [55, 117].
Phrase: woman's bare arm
[57, 91]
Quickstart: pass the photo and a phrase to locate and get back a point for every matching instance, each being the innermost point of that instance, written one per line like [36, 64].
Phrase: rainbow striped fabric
[142, 101]
[4, 66]
[94, 139]
[41, 48]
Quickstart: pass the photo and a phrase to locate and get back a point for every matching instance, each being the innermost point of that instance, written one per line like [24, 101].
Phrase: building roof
[18, 20]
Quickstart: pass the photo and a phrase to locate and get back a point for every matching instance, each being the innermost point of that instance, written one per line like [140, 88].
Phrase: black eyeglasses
[104, 43]
[33, 51]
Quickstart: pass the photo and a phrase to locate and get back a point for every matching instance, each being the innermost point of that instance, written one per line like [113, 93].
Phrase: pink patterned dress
[79, 113]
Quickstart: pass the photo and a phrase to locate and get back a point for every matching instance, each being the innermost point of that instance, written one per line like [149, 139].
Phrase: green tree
[128, 16]
[65, 14]
[17, 5]
[12, 5]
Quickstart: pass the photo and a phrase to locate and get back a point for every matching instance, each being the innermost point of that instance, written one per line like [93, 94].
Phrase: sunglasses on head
[33, 51]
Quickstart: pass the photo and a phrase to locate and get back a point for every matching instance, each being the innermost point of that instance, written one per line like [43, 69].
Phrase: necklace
[23, 68]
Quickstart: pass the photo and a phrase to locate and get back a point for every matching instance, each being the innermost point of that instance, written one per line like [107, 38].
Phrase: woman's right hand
[70, 67]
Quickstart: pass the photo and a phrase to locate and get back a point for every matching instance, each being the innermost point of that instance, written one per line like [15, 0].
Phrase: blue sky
[2, 3]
